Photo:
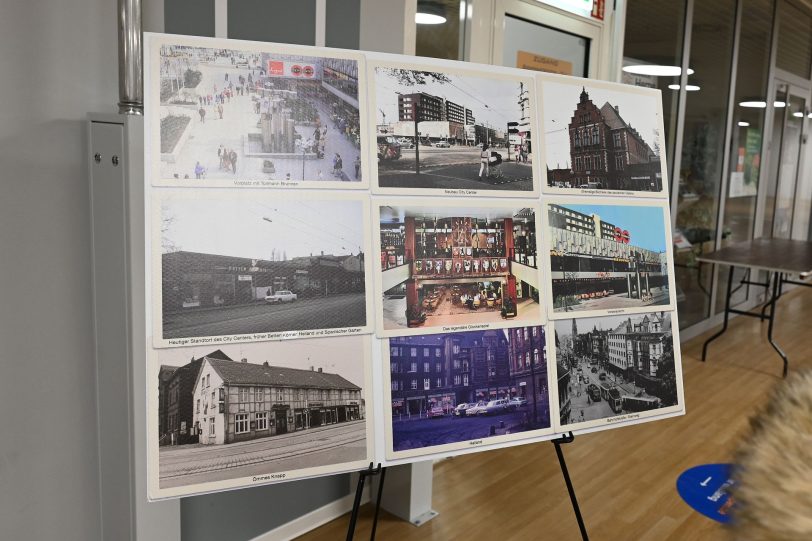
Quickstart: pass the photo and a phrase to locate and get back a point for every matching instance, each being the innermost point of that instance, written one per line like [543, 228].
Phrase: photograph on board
[227, 414]
[261, 267]
[611, 366]
[450, 266]
[447, 390]
[442, 129]
[602, 138]
[607, 256]
[226, 116]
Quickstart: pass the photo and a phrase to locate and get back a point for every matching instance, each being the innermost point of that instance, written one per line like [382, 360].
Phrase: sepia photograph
[240, 268]
[448, 390]
[452, 130]
[608, 257]
[265, 115]
[225, 416]
[603, 138]
[611, 366]
[450, 266]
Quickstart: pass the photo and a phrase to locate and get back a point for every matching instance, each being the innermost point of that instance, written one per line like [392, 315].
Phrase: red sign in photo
[276, 67]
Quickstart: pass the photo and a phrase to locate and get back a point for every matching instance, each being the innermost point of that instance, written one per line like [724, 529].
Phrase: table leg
[777, 289]
[726, 316]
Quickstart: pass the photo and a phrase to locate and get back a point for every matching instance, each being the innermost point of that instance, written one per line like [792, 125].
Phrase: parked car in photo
[594, 392]
[442, 144]
[281, 296]
[473, 409]
[388, 148]
[602, 376]
[518, 401]
[435, 411]
[459, 411]
[494, 407]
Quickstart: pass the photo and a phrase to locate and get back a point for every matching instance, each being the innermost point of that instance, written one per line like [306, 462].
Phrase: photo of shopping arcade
[619, 365]
[432, 375]
[456, 265]
[605, 151]
[596, 265]
[230, 113]
[215, 399]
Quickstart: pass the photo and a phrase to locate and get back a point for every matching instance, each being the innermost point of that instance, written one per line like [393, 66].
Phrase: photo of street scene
[452, 388]
[607, 257]
[229, 413]
[614, 365]
[446, 265]
[251, 268]
[445, 130]
[228, 116]
[602, 137]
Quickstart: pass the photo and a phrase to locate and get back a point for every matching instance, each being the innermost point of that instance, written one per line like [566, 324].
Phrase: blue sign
[705, 489]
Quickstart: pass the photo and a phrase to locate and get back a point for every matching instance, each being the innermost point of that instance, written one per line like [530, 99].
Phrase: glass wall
[441, 39]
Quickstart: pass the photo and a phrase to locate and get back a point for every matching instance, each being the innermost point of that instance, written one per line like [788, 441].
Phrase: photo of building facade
[447, 266]
[434, 378]
[594, 147]
[611, 365]
[597, 264]
[228, 413]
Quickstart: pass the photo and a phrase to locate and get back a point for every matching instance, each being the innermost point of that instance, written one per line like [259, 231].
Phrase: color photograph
[241, 267]
[258, 116]
[602, 138]
[452, 131]
[616, 368]
[608, 257]
[229, 416]
[452, 267]
[448, 390]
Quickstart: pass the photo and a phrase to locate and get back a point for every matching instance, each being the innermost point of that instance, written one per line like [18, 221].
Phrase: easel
[372, 470]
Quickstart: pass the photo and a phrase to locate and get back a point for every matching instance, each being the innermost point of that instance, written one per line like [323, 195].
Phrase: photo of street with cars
[614, 365]
[234, 412]
[247, 268]
[452, 388]
[447, 130]
[228, 115]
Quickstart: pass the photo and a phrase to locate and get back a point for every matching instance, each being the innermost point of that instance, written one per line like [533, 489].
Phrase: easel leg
[727, 315]
[777, 289]
[569, 438]
[378, 504]
[359, 490]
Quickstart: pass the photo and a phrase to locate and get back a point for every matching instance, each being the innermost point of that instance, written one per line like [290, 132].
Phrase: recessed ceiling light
[429, 12]
[428, 18]
[688, 88]
[743, 124]
[780, 104]
[753, 104]
[656, 70]
[798, 114]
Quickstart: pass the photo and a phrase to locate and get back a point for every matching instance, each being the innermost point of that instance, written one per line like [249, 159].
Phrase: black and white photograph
[265, 115]
[240, 267]
[603, 138]
[449, 131]
[448, 390]
[608, 257]
[235, 415]
[452, 266]
[616, 368]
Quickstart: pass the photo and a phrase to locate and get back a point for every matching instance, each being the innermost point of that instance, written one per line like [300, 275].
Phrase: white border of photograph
[623, 419]
[447, 203]
[274, 197]
[375, 60]
[606, 201]
[152, 135]
[486, 443]
[542, 79]
[155, 493]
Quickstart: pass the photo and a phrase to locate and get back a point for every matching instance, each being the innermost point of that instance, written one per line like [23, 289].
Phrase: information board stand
[569, 438]
[362, 477]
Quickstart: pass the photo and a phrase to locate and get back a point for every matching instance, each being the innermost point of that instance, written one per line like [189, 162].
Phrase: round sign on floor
[706, 489]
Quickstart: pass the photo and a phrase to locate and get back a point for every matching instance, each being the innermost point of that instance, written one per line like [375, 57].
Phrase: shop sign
[298, 70]
[244, 278]
[539, 62]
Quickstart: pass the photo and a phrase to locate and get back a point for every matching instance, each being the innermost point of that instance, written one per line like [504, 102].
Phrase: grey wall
[59, 61]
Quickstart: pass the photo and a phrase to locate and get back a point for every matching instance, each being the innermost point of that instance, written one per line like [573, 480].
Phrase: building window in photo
[262, 421]
[241, 423]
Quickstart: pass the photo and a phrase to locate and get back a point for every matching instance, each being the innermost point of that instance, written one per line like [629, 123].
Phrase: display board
[363, 257]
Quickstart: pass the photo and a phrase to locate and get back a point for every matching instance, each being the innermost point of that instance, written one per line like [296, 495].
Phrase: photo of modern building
[445, 266]
[445, 130]
[230, 115]
[611, 365]
[607, 257]
[593, 144]
[226, 416]
[456, 387]
[240, 266]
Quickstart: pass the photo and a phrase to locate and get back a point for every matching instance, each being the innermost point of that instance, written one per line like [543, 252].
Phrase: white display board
[357, 257]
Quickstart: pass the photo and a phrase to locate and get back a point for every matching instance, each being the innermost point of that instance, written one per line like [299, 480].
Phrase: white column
[220, 18]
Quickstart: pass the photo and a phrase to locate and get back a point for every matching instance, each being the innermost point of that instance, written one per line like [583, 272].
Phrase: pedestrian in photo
[287, 177]
[200, 100]
[484, 158]
[320, 175]
[202, 113]
[233, 156]
[337, 165]
[199, 170]
[220, 110]
[357, 167]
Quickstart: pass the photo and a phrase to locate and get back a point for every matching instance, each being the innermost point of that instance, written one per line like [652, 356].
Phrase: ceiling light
[780, 104]
[688, 88]
[754, 104]
[743, 124]
[798, 114]
[430, 13]
[656, 70]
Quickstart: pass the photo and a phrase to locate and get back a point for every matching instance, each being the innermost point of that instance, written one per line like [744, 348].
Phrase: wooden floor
[625, 479]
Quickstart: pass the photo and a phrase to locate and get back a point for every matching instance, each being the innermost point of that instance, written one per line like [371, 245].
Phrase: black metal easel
[569, 438]
[359, 490]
